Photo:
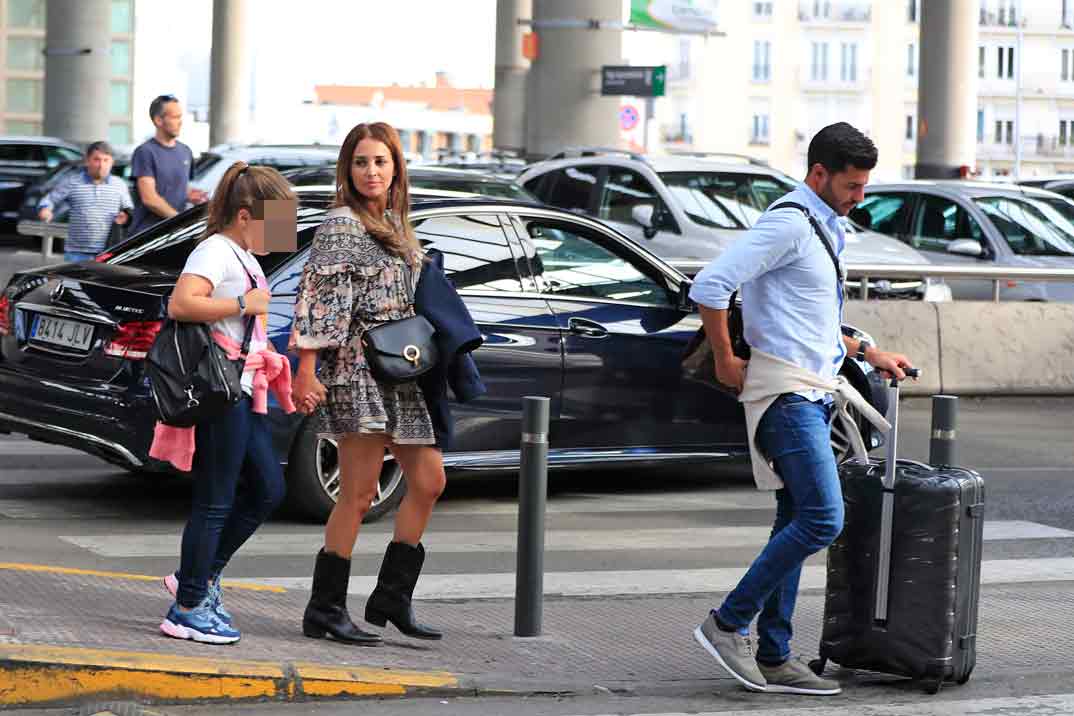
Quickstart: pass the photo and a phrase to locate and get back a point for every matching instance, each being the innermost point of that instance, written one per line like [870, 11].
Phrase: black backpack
[190, 375]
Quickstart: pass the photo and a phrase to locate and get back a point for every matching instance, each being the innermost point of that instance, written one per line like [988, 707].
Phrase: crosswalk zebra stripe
[501, 585]
[565, 540]
[1000, 706]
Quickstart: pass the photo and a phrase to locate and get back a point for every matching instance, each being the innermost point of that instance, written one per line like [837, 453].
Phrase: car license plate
[61, 332]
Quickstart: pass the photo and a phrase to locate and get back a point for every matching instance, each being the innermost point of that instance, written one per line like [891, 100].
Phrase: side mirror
[966, 247]
[861, 217]
[684, 303]
[642, 214]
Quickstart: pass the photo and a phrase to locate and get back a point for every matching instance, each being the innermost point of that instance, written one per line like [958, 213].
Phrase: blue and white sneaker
[213, 591]
[200, 624]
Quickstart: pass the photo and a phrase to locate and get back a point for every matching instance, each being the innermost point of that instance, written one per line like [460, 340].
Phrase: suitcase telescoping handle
[887, 511]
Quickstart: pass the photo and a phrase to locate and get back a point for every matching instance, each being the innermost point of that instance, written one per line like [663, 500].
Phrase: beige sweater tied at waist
[768, 377]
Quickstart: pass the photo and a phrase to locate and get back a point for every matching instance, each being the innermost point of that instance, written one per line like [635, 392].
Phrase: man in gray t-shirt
[161, 167]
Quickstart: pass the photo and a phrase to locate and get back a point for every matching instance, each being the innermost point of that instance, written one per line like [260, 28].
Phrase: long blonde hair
[243, 187]
[395, 234]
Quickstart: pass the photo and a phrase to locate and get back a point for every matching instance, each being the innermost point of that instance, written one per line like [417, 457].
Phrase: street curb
[37, 675]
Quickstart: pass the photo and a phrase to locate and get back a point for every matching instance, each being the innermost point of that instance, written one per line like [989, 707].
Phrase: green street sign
[633, 81]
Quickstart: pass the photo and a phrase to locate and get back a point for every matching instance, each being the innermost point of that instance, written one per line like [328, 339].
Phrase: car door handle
[585, 327]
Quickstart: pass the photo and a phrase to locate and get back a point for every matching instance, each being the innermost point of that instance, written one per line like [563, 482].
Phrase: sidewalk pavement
[70, 636]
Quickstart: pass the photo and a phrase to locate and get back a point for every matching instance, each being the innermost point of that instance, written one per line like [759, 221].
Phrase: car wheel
[313, 478]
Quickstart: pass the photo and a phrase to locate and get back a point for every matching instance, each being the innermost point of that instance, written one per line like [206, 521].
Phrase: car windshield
[726, 200]
[502, 190]
[168, 244]
[1030, 226]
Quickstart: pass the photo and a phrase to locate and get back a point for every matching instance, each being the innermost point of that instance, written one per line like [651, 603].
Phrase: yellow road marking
[17, 567]
[39, 674]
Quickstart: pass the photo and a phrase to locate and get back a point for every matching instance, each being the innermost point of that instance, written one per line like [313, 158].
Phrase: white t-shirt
[216, 259]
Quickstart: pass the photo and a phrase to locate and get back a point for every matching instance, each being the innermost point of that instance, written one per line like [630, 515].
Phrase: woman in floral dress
[362, 260]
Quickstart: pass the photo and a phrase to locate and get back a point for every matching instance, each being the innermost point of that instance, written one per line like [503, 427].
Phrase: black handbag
[190, 376]
[401, 351]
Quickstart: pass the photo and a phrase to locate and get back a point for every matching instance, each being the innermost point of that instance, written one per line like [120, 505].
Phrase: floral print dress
[352, 283]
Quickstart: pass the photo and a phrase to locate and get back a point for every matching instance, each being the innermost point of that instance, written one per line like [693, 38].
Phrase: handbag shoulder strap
[817, 229]
[248, 332]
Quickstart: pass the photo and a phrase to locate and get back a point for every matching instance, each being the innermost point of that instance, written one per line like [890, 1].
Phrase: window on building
[1010, 63]
[121, 58]
[909, 126]
[21, 126]
[1005, 63]
[24, 96]
[1010, 132]
[1063, 132]
[762, 10]
[848, 68]
[122, 17]
[762, 60]
[1067, 19]
[981, 61]
[911, 60]
[911, 10]
[822, 8]
[999, 132]
[26, 13]
[760, 131]
[119, 133]
[819, 67]
[119, 99]
[980, 126]
[1066, 71]
[24, 53]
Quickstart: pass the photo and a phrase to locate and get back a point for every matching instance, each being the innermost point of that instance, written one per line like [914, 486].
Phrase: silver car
[687, 209]
[967, 223]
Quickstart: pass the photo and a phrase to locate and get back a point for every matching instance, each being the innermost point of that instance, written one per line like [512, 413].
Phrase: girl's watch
[242, 304]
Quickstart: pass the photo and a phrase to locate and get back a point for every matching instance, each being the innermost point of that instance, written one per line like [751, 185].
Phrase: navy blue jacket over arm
[456, 336]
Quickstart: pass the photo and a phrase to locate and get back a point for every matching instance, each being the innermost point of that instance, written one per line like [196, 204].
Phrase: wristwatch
[863, 345]
[242, 304]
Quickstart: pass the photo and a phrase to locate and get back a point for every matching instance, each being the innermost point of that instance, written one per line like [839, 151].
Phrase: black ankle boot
[391, 600]
[326, 614]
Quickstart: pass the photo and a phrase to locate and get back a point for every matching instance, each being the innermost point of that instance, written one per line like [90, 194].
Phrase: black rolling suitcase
[904, 576]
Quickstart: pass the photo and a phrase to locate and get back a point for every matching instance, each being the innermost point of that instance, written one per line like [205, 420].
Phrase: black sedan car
[569, 309]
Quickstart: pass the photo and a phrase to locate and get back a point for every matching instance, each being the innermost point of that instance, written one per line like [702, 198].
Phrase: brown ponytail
[242, 187]
[396, 234]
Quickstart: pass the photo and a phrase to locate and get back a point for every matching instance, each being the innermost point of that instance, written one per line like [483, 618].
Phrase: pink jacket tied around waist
[271, 371]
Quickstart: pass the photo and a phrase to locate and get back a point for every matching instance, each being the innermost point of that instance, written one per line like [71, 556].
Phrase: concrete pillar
[229, 97]
[78, 69]
[947, 89]
[512, 69]
[564, 106]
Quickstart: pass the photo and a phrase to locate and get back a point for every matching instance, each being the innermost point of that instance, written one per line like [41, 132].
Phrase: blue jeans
[238, 483]
[76, 256]
[795, 434]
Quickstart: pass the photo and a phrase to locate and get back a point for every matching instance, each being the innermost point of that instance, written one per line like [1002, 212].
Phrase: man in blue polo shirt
[161, 167]
[97, 200]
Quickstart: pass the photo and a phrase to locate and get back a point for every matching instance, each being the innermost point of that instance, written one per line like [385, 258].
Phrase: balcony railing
[1038, 146]
[835, 11]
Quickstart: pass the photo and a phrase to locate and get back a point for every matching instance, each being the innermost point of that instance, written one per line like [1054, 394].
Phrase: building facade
[22, 84]
[786, 68]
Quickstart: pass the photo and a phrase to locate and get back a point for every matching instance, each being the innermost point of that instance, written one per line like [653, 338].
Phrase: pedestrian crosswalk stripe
[1000, 706]
[639, 582]
[567, 540]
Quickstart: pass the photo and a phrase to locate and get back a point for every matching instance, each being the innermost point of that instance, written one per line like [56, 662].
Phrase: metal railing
[996, 274]
[46, 230]
[867, 272]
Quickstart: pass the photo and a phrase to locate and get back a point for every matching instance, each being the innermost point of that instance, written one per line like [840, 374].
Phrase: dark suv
[24, 160]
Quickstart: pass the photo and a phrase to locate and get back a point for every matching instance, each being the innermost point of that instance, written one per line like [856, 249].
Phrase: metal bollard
[944, 430]
[532, 495]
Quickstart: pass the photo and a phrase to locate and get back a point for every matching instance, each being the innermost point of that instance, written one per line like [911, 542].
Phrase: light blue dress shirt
[792, 297]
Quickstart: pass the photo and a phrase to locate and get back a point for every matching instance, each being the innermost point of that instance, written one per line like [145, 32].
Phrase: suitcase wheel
[817, 666]
[932, 686]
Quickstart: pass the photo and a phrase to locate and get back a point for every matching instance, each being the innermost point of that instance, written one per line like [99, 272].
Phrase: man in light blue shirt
[792, 305]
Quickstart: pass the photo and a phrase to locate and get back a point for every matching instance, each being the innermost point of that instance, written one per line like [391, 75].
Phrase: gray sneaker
[734, 652]
[794, 677]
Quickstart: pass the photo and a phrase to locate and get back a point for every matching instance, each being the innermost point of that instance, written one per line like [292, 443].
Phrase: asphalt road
[59, 507]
